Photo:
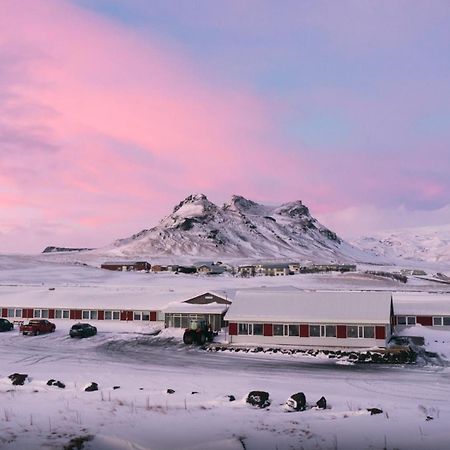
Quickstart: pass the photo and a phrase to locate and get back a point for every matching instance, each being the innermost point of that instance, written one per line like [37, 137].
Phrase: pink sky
[103, 128]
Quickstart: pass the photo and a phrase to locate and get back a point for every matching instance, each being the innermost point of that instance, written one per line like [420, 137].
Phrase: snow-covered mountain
[429, 244]
[240, 228]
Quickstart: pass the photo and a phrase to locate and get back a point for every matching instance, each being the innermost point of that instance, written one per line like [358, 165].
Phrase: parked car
[82, 330]
[37, 326]
[6, 325]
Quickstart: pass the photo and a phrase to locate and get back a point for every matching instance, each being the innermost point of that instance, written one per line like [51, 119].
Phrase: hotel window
[369, 332]
[406, 320]
[258, 329]
[352, 331]
[112, 315]
[62, 313]
[293, 330]
[245, 328]
[330, 330]
[141, 315]
[314, 330]
[278, 329]
[90, 315]
[40, 313]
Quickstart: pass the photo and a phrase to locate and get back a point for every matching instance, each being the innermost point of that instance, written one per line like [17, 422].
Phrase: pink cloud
[99, 119]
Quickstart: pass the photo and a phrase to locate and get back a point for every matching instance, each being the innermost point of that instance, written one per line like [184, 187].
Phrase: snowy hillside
[430, 244]
[239, 229]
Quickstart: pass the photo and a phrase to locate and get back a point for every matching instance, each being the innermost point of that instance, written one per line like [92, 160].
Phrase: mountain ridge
[240, 228]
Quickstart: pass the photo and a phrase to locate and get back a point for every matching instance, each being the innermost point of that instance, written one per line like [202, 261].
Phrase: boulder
[374, 411]
[56, 383]
[170, 391]
[259, 399]
[18, 379]
[322, 403]
[91, 387]
[232, 398]
[116, 387]
[296, 402]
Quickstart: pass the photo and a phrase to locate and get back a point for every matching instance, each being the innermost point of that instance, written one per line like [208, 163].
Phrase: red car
[37, 326]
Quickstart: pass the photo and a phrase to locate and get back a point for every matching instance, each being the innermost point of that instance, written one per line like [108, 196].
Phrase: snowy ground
[142, 415]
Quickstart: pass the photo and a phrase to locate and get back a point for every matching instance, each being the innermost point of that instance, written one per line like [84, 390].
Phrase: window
[314, 330]
[437, 321]
[446, 321]
[401, 320]
[411, 320]
[258, 329]
[40, 313]
[62, 314]
[352, 331]
[330, 330]
[10, 312]
[278, 329]
[90, 314]
[18, 312]
[112, 315]
[141, 315]
[369, 332]
[293, 330]
[245, 328]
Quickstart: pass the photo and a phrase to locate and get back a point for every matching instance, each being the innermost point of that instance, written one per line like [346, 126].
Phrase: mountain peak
[240, 203]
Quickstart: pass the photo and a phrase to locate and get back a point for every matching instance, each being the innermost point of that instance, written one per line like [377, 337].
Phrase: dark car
[6, 325]
[82, 330]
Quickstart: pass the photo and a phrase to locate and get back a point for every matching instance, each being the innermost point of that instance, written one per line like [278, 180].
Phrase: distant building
[275, 269]
[246, 271]
[127, 266]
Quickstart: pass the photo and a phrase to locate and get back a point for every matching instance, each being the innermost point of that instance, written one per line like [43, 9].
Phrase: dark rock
[322, 403]
[53, 382]
[170, 391]
[92, 387]
[429, 418]
[116, 387]
[374, 411]
[18, 379]
[194, 392]
[296, 402]
[258, 398]
[232, 398]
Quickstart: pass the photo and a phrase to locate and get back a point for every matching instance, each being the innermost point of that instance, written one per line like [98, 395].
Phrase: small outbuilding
[311, 319]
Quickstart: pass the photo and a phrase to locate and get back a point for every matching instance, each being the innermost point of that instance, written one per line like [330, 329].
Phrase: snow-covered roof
[189, 308]
[138, 298]
[310, 307]
[421, 303]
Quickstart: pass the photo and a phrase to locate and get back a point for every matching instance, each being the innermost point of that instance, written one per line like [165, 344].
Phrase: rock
[374, 411]
[232, 398]
[258, 398]
[92, 387]
[429, 418]
[194, 392]
[170, 391]
[296, 402]
[116, 387]
[322, 403]
[18, 379]
[53, 382]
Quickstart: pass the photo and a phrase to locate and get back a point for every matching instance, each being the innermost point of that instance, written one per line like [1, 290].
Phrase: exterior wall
[380, 332]
[207, 298]
[181, 320]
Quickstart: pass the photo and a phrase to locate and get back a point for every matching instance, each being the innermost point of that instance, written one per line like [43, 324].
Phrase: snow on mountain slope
[239, 229]
[430, 244]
